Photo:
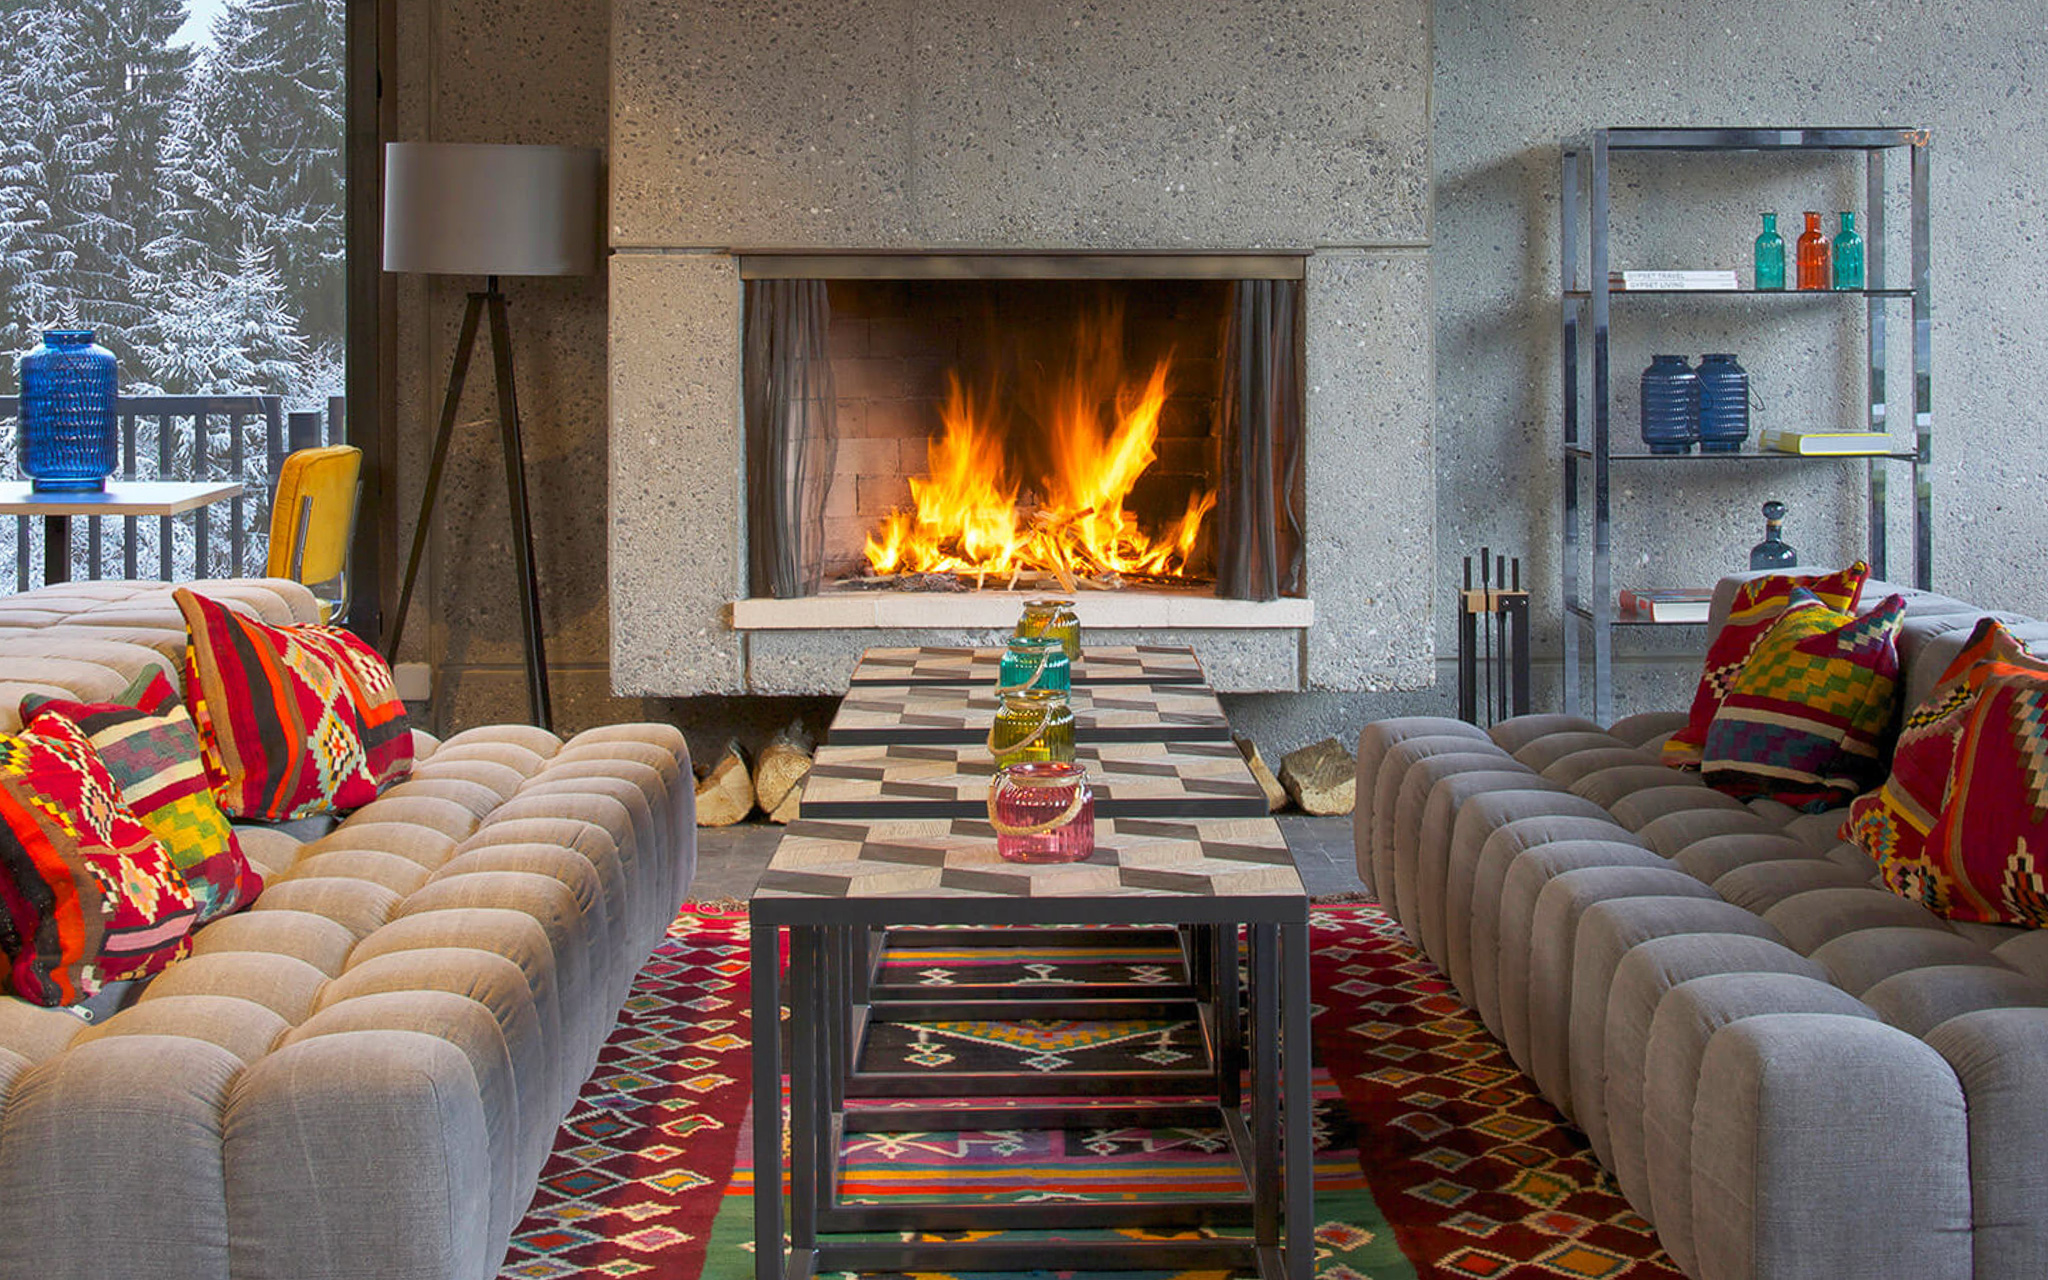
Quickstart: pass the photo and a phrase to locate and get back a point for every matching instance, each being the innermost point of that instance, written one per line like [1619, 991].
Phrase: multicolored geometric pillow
[387, 738]
[87, 895]
[1806, 719]
[278, 729]
[151, 751]
[1962, 822]
[1758, 602]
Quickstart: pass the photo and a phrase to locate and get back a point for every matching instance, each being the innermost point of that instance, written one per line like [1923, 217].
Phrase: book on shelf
[1668, 604]
[1778, 440]
[1682, 280]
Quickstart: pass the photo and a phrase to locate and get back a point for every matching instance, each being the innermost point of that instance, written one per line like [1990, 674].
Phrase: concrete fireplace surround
[893, 126]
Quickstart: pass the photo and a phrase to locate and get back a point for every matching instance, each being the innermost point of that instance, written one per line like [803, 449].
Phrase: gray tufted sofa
[362, 1074]
[1790, 1071]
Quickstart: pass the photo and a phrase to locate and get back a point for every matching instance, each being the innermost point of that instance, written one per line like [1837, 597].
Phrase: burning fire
[1100, 428]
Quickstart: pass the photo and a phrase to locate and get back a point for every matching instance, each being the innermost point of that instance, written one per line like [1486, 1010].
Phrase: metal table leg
[1297, 1090]
[767, 1053]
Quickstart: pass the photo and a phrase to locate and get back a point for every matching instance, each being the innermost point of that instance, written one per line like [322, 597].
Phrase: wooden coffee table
[911, 862]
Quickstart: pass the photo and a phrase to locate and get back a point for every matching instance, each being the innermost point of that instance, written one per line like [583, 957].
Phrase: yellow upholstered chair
[313, 520]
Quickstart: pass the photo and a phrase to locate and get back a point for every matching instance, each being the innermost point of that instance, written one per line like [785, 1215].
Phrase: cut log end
[1276, 795]
[725, 794]
[1322, 778]
[780, 772]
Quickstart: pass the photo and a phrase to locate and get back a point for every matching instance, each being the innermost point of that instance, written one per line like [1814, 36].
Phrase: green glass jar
[1056, 618]
[1033, 724]
[1034, 662]
[1770, 256]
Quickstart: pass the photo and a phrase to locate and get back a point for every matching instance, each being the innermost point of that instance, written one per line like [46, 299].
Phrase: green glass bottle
[1848, 250]
[1770, 255]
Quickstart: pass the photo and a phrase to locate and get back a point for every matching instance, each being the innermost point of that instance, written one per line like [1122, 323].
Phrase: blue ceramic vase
[1724, 403]
[1671, 405]
[68, 438]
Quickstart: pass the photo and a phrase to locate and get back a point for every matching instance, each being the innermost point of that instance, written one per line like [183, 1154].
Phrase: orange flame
[1100, 432]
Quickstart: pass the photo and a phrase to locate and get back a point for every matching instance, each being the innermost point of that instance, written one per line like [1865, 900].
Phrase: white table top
[121, 498]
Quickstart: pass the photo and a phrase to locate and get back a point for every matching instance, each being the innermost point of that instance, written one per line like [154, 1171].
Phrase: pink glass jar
[1043, 811]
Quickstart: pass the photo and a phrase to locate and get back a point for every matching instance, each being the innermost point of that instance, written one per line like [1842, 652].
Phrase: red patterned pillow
[87, 895]
[1962, 822]
[387, 738]
[1757, 604]
[151, 751]
[1806, 719]
[278, 730]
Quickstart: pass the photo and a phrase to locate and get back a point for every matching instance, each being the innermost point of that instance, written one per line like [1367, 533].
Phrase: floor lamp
[489, 210]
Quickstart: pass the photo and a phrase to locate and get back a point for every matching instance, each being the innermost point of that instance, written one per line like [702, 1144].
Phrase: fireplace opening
[1024, 434]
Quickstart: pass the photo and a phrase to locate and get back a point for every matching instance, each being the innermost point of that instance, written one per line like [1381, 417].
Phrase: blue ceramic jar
[1671, 405]
[1724, 403]
[68, 438]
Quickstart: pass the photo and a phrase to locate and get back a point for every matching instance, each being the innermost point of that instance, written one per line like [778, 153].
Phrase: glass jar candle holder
[1032, 724]
[1034, 662]
[1042, 812]
[1056, 618]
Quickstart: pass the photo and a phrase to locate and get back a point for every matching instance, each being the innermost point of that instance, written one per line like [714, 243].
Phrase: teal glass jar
[1034, 662]
[1848, 254]
[1055, 618]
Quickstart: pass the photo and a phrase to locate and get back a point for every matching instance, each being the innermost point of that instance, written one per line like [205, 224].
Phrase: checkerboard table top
[1145, 664]
[1130, 779]
[951, 715]
[956, 858]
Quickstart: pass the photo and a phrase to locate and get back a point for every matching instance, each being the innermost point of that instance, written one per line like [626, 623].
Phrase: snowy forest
[185, 202]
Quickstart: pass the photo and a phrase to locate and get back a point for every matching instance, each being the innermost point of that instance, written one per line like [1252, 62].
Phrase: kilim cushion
[1962, 822]
[87, 895]
[1805, 721]
[1758, 602]
[387, 738]
[151, 750]
[278, 729]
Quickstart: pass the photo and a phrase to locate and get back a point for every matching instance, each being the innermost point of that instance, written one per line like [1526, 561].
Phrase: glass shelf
[1744, 293]
[1585, 452]
[1625, 618]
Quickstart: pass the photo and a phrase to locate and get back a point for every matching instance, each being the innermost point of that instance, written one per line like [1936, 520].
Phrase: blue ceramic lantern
[68, 438]
[1671, 405]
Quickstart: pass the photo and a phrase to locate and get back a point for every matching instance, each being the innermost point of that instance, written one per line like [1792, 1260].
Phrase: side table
[119, 498]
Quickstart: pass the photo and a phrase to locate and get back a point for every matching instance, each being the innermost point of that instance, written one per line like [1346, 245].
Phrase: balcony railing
[241, 438]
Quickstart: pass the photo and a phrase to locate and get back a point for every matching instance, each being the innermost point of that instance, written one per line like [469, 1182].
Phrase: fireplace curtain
[1259, 501]
[792, 434]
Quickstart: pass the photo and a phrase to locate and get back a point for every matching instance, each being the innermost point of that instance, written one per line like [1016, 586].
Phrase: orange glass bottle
[1815, 270]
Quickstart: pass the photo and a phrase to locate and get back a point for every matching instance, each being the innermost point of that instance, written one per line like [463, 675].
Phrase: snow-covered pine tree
[60, 253]
[255, 154]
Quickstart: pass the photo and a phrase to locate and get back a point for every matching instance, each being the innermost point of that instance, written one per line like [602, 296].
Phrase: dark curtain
[792, 437]
[1259, 511]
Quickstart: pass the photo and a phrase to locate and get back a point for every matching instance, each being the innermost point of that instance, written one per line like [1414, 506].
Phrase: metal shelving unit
[1587, 302]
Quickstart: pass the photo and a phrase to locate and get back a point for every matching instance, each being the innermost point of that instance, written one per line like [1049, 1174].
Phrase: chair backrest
[312, 516]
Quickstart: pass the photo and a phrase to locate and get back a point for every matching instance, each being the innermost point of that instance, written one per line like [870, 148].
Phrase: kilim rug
[1435, 1157]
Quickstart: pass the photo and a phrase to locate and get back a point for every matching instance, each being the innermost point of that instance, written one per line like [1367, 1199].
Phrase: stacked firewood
[730, 790]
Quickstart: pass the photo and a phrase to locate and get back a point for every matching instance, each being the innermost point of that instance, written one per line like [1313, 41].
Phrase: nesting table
[893, 846]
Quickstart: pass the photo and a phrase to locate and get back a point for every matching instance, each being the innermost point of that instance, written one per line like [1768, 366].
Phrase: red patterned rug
[1435, 1157]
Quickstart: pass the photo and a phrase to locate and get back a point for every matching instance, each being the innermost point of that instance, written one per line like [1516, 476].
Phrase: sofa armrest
[1829, 1145]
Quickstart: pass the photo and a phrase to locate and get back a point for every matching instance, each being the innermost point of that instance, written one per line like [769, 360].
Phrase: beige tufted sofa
[1792, 1072]
[361, 1075]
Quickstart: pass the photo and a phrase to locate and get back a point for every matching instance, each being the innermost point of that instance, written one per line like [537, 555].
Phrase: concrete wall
[1510, 77]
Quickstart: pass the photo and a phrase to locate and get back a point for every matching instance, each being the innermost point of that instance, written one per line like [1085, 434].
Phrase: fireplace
[1024, 423]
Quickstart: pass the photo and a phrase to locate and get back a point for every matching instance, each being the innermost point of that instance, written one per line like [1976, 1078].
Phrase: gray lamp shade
[460, 208]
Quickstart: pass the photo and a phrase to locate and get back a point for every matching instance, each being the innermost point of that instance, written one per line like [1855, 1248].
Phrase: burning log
[725, 794]
[780, 771]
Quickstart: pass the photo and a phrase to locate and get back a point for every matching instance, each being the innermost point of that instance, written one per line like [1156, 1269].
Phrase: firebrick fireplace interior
[1024, 422]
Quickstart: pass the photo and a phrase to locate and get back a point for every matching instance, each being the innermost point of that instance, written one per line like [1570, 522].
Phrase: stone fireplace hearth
[1067, 130]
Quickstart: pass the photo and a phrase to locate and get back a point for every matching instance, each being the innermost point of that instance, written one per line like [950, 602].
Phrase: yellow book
[1825, 442]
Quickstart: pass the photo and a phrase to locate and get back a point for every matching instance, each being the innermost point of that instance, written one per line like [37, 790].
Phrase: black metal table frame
[830, 965]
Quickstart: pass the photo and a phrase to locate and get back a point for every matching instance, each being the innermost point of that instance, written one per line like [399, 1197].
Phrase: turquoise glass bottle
[1848, 254]
[1770, 255]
